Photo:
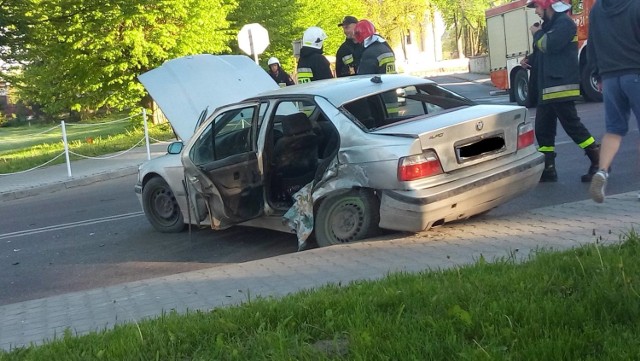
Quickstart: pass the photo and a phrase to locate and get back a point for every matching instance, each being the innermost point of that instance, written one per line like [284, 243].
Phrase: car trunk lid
[490, 132]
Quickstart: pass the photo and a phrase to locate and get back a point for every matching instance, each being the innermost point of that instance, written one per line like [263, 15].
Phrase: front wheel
[590, 86]
[521, 87]
[347, 217]
[160, 206]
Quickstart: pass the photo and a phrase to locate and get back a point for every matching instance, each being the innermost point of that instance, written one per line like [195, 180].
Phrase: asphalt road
[96, 235]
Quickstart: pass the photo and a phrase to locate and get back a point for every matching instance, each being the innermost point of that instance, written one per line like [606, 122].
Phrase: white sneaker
[598, 185]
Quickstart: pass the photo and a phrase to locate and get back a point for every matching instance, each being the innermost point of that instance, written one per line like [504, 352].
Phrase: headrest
[296, 123]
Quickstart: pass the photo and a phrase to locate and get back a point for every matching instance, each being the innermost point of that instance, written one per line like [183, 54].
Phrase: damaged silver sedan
[338, 159]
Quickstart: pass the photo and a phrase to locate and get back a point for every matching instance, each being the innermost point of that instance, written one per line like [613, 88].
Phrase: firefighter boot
[593, 152]
[549, 174]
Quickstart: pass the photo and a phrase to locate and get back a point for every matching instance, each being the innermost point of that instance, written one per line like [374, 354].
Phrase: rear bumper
[415, 211]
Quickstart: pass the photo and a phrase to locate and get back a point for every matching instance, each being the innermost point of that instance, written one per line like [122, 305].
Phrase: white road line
[70, 225]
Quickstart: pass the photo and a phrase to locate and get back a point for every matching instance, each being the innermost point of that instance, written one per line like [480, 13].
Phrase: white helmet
[273, 60]
[313, 37]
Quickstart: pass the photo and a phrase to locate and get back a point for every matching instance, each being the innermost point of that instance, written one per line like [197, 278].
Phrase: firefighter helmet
[363, 30]
[557, 5]
[560, 6]
[314, 37]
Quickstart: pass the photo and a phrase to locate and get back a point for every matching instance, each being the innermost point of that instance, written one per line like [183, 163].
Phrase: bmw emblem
[479, 125]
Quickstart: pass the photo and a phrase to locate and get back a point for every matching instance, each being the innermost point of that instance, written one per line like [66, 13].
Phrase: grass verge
[22, 148]
[581, 304]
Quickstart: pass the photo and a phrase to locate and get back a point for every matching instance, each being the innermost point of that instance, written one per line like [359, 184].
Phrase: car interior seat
[295, 156]
[328, 137]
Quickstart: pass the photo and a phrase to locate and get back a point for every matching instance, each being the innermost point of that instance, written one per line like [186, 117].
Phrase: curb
[68, 184]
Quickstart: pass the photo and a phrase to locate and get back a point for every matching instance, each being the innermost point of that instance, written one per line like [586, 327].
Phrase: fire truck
[510, 41]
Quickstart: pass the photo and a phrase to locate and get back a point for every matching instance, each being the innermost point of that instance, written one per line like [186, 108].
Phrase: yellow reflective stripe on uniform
[304, 75]
[347, 59]
[561, 91]
[542, 43]
[587, 142]
[559, 88]
[546, 149]
[385, 58]
[388, 61]
[561, 94]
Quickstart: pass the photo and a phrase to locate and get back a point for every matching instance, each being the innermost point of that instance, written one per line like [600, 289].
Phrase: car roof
[343, 90]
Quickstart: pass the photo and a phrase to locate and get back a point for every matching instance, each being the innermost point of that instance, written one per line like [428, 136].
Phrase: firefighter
[312, 65]
[277, 74]
[377, 57]
[555, 63]
[348, 55]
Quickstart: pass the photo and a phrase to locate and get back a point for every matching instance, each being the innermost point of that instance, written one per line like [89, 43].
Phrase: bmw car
[336, 160]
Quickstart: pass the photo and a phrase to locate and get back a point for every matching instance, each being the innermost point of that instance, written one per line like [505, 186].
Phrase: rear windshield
[404, 103]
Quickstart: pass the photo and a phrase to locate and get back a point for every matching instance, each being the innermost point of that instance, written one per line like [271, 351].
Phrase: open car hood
[186, 86]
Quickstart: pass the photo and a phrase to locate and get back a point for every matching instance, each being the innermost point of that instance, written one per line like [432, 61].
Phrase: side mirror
[175, 148]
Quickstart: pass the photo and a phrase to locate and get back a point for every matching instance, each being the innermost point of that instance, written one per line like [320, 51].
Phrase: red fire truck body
[510, 40]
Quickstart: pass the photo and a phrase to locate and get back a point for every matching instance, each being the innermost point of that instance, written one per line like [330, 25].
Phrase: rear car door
[222, 166]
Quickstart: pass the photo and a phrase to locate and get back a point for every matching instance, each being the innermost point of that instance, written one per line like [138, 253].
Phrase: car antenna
[376, 79]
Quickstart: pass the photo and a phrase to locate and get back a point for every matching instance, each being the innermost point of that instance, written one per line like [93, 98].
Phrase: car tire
[347, 217]
[521, 87]
[161, 207]
[589, 86]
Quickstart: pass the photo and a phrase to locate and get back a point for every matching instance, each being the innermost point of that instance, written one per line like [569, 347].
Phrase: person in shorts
[614, 50]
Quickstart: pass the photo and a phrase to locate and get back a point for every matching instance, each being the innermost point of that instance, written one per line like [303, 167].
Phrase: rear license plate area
[478, 147]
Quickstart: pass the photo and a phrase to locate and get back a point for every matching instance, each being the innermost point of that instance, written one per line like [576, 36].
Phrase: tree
[466, 19]
[86, 54]
[278, 17]
[327, 14]
[394, 20]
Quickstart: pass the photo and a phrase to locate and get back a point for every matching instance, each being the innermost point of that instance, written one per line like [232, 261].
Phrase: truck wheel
[347, 217]
[589, 86]
[521, 87]
[160, 206]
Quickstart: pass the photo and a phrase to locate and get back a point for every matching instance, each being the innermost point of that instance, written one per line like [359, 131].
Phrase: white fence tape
[67, 151]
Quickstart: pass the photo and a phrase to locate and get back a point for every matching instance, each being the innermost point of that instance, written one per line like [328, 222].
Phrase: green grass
[25, 147]
[581, 304]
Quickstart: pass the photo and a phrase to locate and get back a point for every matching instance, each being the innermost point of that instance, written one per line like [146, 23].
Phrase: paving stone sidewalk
[516, 236]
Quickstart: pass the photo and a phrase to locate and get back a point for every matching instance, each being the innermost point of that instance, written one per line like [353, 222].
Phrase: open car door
[222, 167]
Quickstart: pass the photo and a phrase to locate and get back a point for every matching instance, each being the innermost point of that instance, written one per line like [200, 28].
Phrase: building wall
[425, 47]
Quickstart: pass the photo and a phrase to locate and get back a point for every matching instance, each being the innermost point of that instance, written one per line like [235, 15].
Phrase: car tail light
[525, 135]
[419, 166]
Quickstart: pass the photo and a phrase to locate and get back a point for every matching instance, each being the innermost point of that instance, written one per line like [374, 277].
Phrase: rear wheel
[521, 87]
[590, 86]
[347, 217]
[160, 206]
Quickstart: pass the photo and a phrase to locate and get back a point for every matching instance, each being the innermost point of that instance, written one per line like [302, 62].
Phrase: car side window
[230, 133]
[290, 107]
[295, 106]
